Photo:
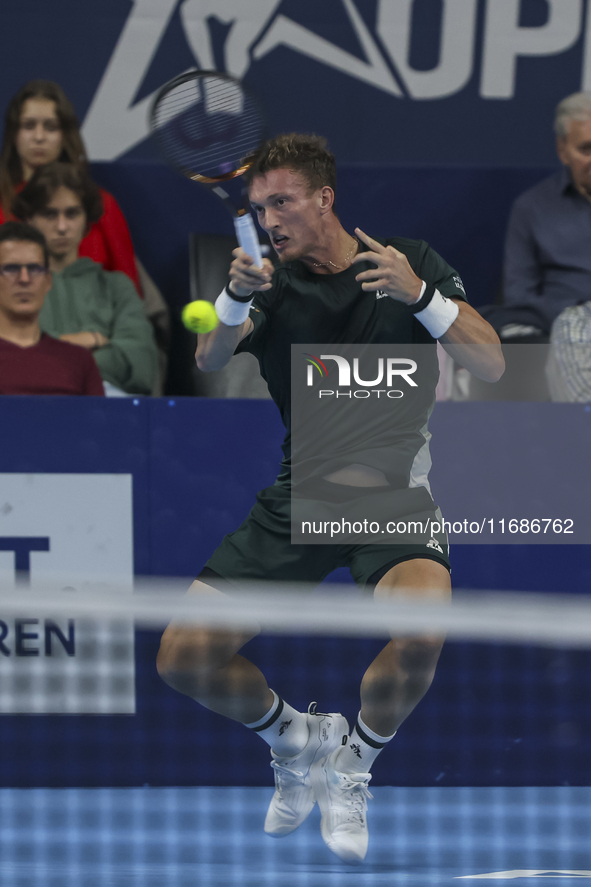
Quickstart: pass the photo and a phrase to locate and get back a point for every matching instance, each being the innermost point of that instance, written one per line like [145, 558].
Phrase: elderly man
[32, 362]
[547, 255]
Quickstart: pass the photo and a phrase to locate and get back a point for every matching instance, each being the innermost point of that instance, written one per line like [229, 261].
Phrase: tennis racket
[206, 125]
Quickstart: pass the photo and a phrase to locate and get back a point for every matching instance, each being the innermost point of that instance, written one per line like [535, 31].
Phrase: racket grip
[248, 237]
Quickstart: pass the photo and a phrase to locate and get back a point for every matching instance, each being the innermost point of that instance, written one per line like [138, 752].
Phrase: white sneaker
[294, 797]
[342, 798]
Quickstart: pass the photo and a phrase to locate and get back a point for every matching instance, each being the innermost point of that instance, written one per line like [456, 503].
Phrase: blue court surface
[213, 837]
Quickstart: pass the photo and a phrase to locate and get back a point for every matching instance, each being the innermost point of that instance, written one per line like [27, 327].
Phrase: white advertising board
[65, 531]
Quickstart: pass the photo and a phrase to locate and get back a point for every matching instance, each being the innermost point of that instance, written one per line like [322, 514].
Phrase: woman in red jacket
[40, 127]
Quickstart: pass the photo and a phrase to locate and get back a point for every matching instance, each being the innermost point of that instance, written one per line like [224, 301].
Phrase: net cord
[543, 619]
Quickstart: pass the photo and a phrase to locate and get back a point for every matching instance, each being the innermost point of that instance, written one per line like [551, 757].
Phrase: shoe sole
[327, 747]
[318, 783]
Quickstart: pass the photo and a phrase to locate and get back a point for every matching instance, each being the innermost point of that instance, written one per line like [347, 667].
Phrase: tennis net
[109, 777]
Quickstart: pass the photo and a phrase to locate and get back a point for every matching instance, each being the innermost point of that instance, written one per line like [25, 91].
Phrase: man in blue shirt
[547, 253]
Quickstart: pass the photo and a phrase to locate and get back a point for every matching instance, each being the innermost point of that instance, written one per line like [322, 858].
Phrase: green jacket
[85, 297]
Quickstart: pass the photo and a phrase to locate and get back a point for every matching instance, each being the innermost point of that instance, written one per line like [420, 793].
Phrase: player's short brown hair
[45, 181]
[306, 154]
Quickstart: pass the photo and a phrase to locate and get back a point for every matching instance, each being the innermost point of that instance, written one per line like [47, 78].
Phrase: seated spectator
[569, 363]
[548, 255]
[41, 127]
[87, 306]
[31, 362]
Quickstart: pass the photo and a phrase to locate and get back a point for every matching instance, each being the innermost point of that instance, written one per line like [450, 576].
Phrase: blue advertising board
[195, 466]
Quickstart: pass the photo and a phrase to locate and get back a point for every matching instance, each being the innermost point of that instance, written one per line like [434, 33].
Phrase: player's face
[287, 210]
[39, 138]
[22, 292]
[63, 223]
[575, 152]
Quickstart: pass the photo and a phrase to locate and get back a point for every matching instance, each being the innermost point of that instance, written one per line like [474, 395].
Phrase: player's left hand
[392, 274]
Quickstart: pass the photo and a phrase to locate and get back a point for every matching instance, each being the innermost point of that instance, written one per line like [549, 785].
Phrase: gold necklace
[348, 257]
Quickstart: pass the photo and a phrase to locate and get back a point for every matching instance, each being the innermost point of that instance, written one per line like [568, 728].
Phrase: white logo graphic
[459, 284]
[114, 123]
[395, 366]
[380, 294]
[433, 543]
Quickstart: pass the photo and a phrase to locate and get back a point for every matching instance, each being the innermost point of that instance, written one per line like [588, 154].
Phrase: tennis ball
[199, 316]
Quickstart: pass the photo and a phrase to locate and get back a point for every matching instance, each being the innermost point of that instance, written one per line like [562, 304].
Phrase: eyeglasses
[13, 271]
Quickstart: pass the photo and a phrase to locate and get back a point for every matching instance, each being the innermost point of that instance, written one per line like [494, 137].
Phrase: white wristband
[439, 314]
[229, 311]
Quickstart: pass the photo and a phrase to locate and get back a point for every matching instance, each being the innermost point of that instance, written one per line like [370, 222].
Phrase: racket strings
[207, 126]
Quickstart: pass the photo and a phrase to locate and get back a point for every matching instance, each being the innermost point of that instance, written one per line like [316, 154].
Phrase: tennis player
[331, 286]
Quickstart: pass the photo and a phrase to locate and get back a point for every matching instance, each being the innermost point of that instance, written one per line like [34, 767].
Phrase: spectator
[569, 363]
[31, 362]
[548, 255]
[88, 306]
[41, 127]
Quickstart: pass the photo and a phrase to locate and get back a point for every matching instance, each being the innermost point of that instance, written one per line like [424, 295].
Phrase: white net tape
[543, 619]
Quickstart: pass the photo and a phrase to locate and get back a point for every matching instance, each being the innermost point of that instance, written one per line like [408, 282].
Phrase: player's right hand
[246, 277]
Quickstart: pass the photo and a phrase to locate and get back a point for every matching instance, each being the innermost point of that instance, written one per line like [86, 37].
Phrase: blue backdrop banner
[396, 81]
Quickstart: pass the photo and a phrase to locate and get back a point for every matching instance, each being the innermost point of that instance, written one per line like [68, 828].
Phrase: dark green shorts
[261, 550]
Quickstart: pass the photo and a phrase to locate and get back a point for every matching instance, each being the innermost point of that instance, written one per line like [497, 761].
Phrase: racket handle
[248, 238]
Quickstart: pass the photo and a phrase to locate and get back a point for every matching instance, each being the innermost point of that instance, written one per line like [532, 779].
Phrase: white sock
[283, 728]
[363, 747]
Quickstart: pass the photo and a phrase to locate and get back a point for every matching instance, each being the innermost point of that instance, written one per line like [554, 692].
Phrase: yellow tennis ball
[199, 316]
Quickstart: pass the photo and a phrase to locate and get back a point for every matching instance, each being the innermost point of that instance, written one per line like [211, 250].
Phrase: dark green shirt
[85, 297]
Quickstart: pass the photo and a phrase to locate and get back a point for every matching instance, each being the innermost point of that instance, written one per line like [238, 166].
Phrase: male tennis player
[326, 290]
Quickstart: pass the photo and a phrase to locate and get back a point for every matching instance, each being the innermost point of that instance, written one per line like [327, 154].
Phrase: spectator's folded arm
[130, 360]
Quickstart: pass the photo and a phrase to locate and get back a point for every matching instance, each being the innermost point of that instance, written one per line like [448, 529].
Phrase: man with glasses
[32, 362]
[96, 309]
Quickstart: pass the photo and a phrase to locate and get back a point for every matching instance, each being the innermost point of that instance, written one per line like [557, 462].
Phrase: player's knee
[186, 651]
